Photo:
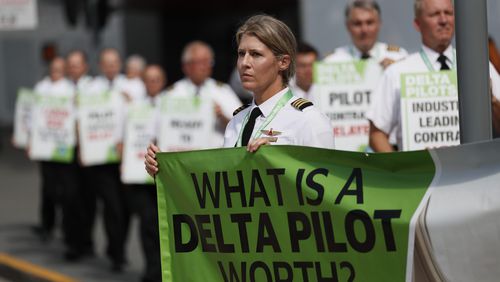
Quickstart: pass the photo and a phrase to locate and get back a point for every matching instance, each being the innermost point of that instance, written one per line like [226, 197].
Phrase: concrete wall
[21, 63]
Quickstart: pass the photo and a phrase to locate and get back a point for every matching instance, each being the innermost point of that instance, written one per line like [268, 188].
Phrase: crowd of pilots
[62, 183]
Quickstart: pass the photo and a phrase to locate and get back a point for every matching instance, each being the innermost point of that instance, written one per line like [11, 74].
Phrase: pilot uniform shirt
[218, 92]
[135, 89]
[291, 126]
[82, 83]
[385, 109]
[61, 87]
[379, 52]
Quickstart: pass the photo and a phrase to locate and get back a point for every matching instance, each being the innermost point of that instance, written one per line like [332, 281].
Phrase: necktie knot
[247, 131]
[442, 59]
[365, 56]
[256, 112]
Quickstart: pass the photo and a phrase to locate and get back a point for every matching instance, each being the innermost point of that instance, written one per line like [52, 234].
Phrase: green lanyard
[428, 63]
[281, 103]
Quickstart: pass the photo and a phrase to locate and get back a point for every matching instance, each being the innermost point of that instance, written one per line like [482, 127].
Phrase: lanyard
[281, 103]
[428, 63]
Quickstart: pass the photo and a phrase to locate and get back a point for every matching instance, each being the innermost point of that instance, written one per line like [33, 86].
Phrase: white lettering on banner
[429, 110]
[343, 95]
[187, 123]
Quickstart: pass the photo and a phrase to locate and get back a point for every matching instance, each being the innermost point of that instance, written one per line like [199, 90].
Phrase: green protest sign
[288, 213]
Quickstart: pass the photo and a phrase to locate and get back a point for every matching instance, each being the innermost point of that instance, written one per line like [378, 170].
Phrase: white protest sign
[22, 117]
[18, 14]
[140, 131]
[187, 123]
[100, 127]
[53, 134]
[342, 92]
[429, 110]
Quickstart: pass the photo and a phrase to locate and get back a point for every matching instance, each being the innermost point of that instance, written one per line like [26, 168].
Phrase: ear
[284, 62]
[416, 24]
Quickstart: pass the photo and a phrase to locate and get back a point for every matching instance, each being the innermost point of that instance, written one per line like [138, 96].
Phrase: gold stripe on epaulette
[393, 48]
[240, 109]
[301, 104]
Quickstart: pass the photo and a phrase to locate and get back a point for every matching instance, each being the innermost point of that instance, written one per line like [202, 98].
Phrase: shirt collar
[433, 55]
[372, 52]
[267, 107]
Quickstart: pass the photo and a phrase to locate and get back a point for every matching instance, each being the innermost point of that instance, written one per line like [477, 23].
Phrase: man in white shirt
[60, 180]
[435, 20]
[104, 179]
[363, 22]
[77, 68]
[133, 88]
[197, 62]
[141, 198]
[302, 86]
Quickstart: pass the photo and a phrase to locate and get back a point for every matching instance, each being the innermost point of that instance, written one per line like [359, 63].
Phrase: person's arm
[220, 115]
[386, 62]
[379, 140]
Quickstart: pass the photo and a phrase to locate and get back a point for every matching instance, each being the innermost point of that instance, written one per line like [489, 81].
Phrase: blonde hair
[276, 35]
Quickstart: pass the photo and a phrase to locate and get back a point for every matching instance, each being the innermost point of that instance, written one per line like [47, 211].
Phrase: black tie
[442, 60]
[247, 131]
[365, 56]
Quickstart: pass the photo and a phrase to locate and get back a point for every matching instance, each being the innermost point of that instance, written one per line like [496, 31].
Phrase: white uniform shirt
[219, 93]
[385, 112]
[134, 88]
[82, 83]
[308, 127]
[61, 87]
[379, 52]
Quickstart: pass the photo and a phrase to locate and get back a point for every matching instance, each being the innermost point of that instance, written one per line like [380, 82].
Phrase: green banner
[288, 213]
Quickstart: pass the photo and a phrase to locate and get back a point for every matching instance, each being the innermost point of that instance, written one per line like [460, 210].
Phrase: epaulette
[301, 104]
[240, 109]
[393, 48]
[219, 83]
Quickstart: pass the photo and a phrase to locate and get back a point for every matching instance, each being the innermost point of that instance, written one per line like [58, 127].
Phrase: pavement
[23, 256]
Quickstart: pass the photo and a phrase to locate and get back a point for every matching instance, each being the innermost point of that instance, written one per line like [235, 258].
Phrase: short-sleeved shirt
[385, 111]
[61, 87]
[379, 52]
[218, 92]
[306, 127]
[133, 87]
